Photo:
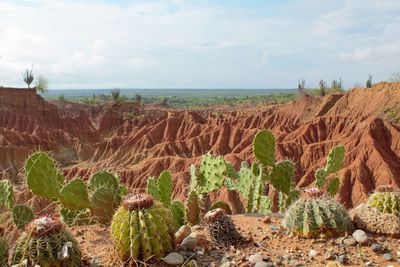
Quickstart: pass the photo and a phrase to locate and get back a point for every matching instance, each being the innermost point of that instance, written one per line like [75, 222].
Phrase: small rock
[255, 258]
[189, 243]
[369, 263]
[349, 241]
[376, 247]
[333, 264]
[361, 237]
[388, 256]
[263, 264]
[173, 259]
[182, 233]
[312, 254]
[267, 219]
[329, 255]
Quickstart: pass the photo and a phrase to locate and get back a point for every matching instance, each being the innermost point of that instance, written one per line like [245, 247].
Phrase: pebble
[182, 233]
[255, 258]
[263, 264]
[376, 247]
[189, 243]
[333, 264]
[174, 259]
[361, 237]
[388, 256]
[312, 254]
[349, 241]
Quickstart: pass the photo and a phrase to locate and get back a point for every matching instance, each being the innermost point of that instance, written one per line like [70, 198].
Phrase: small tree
[41, 85]
[368, 84]
[138, 98]
[301, 86]
[322, 88]
[115, 93]
[62, 98]
[28, 76]
[164, 101]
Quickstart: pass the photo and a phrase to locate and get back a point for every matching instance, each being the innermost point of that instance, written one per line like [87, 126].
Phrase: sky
[198, 44]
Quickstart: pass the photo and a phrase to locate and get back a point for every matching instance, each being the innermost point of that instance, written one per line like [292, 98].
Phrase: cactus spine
[333, 164]
[279, 174]
[315, 216]
[142, 230]
[385, 200]
[45, 242]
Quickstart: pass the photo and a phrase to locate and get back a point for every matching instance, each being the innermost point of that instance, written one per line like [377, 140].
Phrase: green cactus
[103, 204]
[385, 202]
[317, 217]
[192, 211]
[103, 179]
[45, 242]
[6, 194]
[3, 252]
[177, 209]
[76, 217]
[22, 215]
[142, 230]
[74, 195]
[333, 164]
[43, 177]
[278, 174]
[161, 189]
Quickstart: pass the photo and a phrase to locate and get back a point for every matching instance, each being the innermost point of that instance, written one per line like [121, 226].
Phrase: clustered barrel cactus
[386, 200]
[315, 215]
[3, 249]
[381, 213]
[142, 230]
[79, 203]
[222, 230]
[45, 242]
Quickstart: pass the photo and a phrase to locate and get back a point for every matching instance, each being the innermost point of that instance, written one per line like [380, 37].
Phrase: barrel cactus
[222, 230]
[142, 230]
[316, 215]
[3, 249]
[45, 242]
[386, 200]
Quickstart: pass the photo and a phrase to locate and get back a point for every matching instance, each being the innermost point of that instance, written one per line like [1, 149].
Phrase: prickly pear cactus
[45, 242]
[142, 230]
[386, 200]
[42, 176]
[103, 179]
[161, 188]
[22, 215]
[74, 195]
[334, 163]
[3, 250]
[177, 209]
[316, 216]
[6, 194]
[104, 203]
[222, 230]
[76, 217]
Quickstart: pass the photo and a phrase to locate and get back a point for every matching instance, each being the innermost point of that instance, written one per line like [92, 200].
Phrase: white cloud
[179, 43]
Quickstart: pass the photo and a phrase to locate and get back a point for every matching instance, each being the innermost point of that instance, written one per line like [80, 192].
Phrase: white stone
[361, 237]
[174, 259]
[313, 253]
[255, 258]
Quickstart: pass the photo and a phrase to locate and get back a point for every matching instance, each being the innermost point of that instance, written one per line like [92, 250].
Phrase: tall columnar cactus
[3, 250]
[333, 164]
[386, 200]
[221, 228]
[142, 230]
[46, 242]
[314, 215]
[161, 189]
[279, 174]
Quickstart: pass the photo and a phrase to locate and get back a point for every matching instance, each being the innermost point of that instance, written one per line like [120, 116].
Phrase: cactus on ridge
[142, 230]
